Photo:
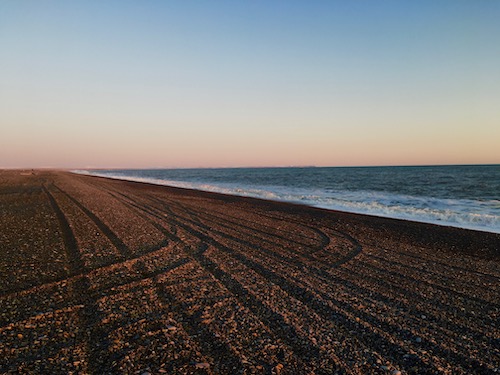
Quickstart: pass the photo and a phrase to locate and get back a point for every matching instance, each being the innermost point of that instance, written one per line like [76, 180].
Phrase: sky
[147, 84]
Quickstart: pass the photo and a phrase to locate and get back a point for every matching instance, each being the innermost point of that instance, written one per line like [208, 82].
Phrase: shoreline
[182, 186]
[456, 234]
[102, 275]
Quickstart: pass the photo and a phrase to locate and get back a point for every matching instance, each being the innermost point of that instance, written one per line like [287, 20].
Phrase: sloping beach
[106, 276]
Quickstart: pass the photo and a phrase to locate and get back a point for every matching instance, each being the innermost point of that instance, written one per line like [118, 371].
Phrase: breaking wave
[483, 215]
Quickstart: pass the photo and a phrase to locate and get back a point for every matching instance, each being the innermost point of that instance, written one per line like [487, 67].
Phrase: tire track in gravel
[368, 273]
[318, 270]
[357, 247]
[319, 305]
[458, 358]
[103, 267]
[75, 262]
[306, 351]
[128, 201]
[216, 348]
[104, 228]
[140, 211]
[195, 219]
[274, 321]
[384, 295]
[402, 333]
[224, 357]
[434, 316]
[438, 278]
[447, 291]
[272, 239]
[308, 298]
[321, 231]
[252, 225]
[188, 212]
[453, 267]
[325, 239]
[79, 268]
[96, 340]
[261, 228]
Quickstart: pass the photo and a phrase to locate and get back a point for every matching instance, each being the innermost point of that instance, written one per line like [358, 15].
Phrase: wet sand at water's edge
[103, 276]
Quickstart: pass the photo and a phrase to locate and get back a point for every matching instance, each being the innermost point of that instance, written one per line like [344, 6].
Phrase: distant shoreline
[187, 185]
[275, 167]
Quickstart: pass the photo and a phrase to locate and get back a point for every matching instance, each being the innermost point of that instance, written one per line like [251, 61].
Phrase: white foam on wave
[461, 213]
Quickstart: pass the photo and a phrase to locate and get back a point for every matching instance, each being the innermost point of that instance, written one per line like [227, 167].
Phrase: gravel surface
[101, 276]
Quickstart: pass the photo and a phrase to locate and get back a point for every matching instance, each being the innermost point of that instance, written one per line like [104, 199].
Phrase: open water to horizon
[461, 196]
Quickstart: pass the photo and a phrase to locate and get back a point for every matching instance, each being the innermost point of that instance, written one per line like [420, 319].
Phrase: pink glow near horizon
[85, 85]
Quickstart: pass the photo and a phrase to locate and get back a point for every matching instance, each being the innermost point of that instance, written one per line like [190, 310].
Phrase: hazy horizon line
[246, 167]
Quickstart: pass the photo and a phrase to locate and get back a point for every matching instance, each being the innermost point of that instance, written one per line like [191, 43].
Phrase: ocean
[464, 196]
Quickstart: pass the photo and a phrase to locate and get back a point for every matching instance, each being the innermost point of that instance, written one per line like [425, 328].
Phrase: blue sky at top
[228, 83]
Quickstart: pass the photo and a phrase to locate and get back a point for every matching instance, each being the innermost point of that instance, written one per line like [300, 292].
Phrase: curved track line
[273, 320]
[267, 316]
[308, 298]
[357, 248]
[445, 353]
[115, 240]
[351, 255]
[319, 306]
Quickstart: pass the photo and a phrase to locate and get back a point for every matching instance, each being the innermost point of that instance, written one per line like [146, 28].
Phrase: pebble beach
[101, 276]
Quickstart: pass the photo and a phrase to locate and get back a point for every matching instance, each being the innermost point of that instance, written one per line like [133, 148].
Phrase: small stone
[396, 372]
[384, 368]
[418, 339]
[202, 365]
[20, 336]
[278, 368]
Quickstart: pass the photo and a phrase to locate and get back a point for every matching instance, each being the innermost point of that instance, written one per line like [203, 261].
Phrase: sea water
[465, 196]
